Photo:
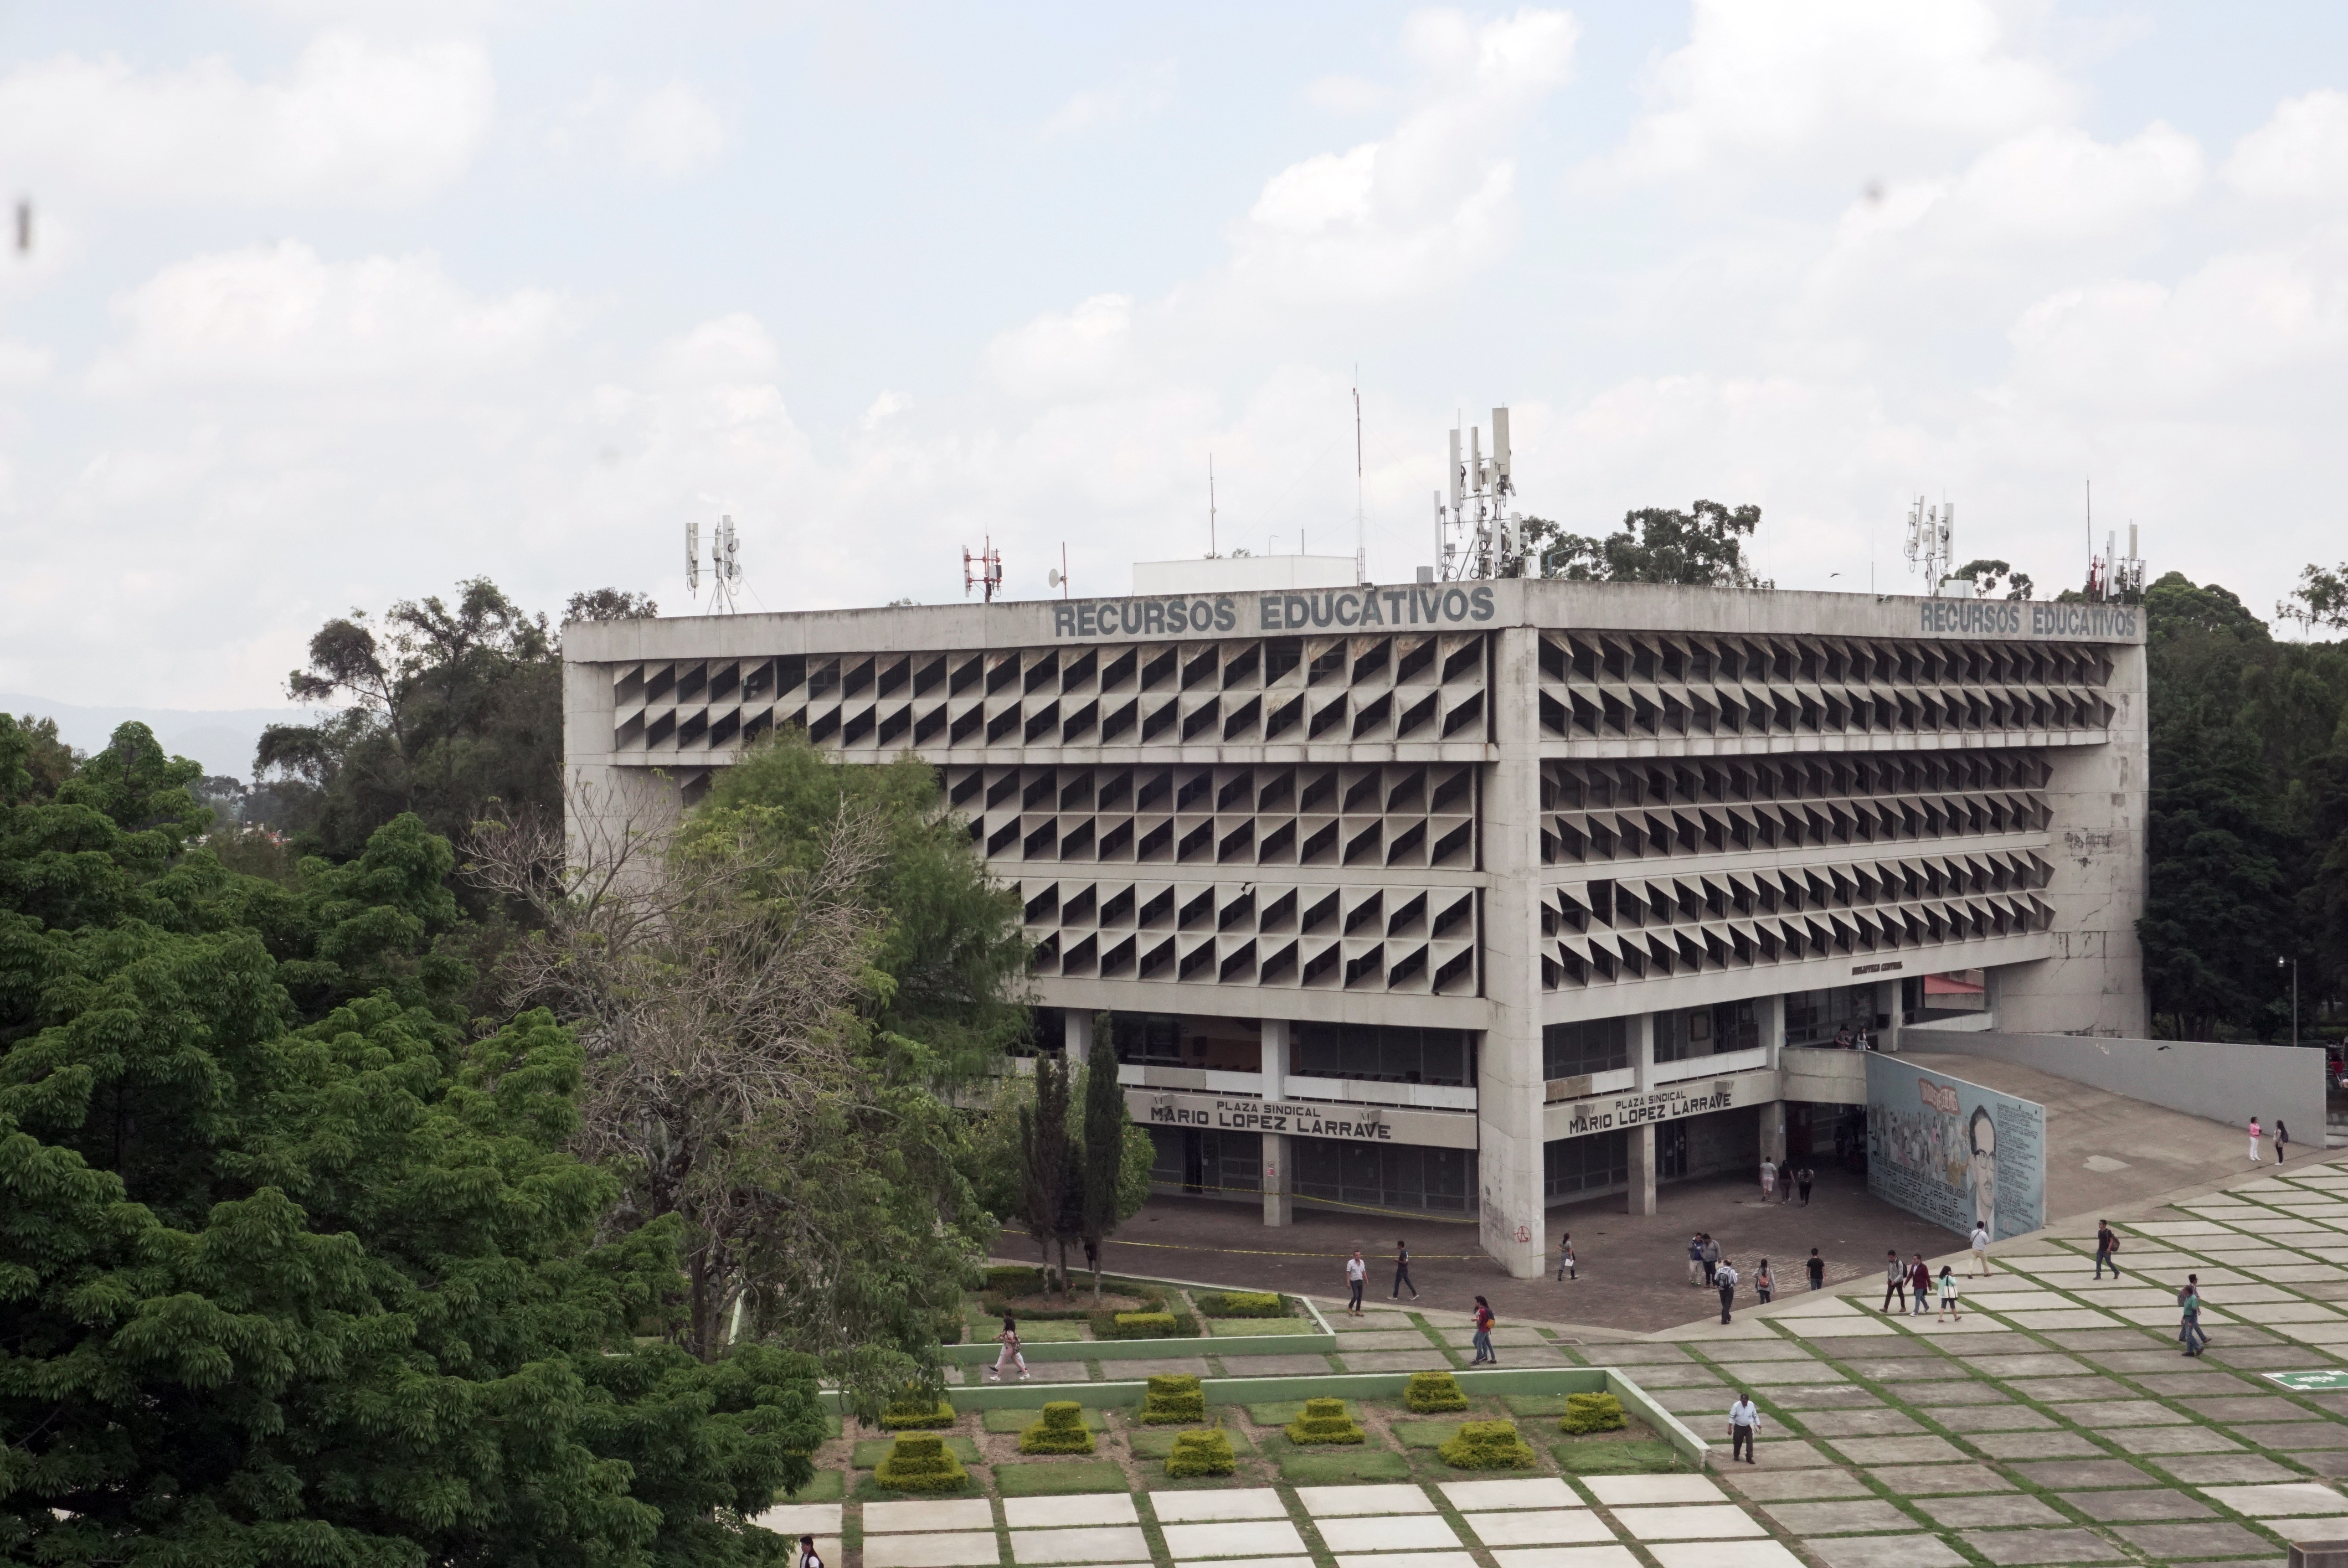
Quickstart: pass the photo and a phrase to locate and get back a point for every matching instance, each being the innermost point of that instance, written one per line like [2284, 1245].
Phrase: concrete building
[1475, 899]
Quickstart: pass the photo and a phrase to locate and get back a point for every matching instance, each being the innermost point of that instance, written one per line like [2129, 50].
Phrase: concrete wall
[2224, 1082]
[1826, 1077]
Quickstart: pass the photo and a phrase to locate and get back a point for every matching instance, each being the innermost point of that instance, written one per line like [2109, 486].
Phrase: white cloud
[1431, 201]
[2301, 154]
[282, 314]
[1066, 355]
[352, 123]
[1137, 96]
[1768, 79]
[673, 132]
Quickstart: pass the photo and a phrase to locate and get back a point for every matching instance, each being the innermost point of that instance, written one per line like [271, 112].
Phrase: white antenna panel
[693, 556]
[1500, 443]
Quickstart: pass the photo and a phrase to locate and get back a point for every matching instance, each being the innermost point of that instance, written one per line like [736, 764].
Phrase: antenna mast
[1478, 533]
[725, 566]
[1360, 522]
[1932, 542]
[984, 570]
[1211, 546]
[693, 560]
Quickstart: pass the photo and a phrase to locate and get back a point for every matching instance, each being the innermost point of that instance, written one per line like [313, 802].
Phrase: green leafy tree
[1702, 546]
[1987, 574]
[1051, 1182]
[316, 1280]
[33, 756]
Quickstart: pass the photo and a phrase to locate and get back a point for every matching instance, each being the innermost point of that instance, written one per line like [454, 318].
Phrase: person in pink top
[2254, 1141]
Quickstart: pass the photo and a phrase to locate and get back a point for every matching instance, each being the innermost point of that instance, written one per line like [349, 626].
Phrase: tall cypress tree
[1105, 1125]
[1045, 1156]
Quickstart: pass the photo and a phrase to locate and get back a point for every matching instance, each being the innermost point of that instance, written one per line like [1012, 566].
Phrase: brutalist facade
[1473, 899]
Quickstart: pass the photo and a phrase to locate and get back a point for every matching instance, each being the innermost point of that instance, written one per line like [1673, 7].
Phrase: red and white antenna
[984, 570]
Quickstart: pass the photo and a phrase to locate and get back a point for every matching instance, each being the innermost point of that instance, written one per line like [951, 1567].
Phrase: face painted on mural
[1983, 1168]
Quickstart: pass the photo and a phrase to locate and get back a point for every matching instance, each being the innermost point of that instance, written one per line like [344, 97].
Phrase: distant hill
[221, 738]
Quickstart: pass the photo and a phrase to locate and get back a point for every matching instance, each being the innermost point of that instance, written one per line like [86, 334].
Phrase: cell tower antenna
[1477, 532]
[1361, 517]
[1932, 546]
[1211, 546]
[725, 566]
[983, 570]
[693, 559]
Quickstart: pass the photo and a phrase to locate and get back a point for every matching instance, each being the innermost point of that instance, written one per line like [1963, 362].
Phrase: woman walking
[1949, 1312]
[1484, 1333]
[1768, 1179]
[1919, 1287]
[1009, 1340]
[1765, 1284]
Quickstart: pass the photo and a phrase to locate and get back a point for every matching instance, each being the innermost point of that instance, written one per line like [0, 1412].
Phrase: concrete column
[1771, 1014]
[1278, 1189]
[1076, 1034]
[1642, 1054]
[1276, 1036]
[1643, 1170]
[1773, 1132]
[1510, 1093]
[1886, 1006]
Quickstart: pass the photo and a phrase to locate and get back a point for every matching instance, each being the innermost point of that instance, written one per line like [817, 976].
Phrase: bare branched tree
[716, 997]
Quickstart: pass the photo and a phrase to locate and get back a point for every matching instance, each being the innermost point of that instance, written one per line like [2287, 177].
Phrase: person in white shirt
[1357, 1271]
[807, 1555]
[1981, 1249]
[1744, 1422]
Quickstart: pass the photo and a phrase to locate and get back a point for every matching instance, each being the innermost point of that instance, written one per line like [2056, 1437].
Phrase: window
[1591, 1164]
[1384, 1054]
[1815, 1018]
[1707, 1032]
[1383, 1175]
[1146, 1039]
[1595, 1045]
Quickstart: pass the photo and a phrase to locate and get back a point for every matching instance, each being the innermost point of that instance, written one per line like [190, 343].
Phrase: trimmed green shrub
[1325, 1422]
[1173, 1397]
[1061, 1431]
[1145, 1325]
[1243, 1303]
[1592, 1413]
[1488, 1445]
[1430, 1391]
[919, 1462]
[1113, 1325]
[1013, 1280]
[916, 1414]
[1202, 1453]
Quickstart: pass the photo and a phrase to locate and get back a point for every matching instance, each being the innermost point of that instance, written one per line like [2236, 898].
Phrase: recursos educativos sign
[1313, 609]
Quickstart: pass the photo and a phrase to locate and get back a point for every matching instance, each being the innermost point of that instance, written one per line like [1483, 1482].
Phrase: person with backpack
[2107, 1242]
[1695, 1258]
[1402, 1270]
[1818, 1268]
[1981, 1249]
[1763, 1286]
[1895, 1280]
[2188, 1307]
[1484, 1321]
[1711, 1258]
[1724, 1275]
[1009, 1340]
[1949, 1312]
[1807, 1175]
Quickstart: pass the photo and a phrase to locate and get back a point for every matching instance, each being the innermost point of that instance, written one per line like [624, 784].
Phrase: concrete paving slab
[1539, 1527]
[1344, 1502]
[1124, 1543]
[1844, 1347]
[956, 1549]
[1300, 1366]
[1905, 1551]
[1502, 1338]
[1763, 1485]
[2058, 1474]
[2105, 1415]
[1416, 1560]
[1255, 1562]
[2333, 1465]
[1667, 1375]
[1684, 1401]
[1897, 1450]
[1839, 1327]
[2004, 1547]
[1483, 1496]
[1236, 1502]
[1168, 1365]
[1767, 1374]
[1251, 1538]
[1764, 1350]
[1643, 1353]
[1566, 1557]
[2187, 1381]
[930, 1513]
[1050, 1513]
[2064, 1390]
[1716, 1522]
[1832, 1397]
[1648, 1491]
[2035, 1445]
[2115, 1507]
[2295, 1435]
[1790, 1453]
[1726, 1554]
[1906, 1369]
[2178, 1440]
[1886, 1422]
[1994, 1511]
[1971, 1392]
[1869, 1516]
[2061, 1317]
[2170, 1542]
[1408, 1533]
[819, 1518]
[1428, 1360]
[1988, 1418]
[1940, 1480]
[2207, 1469]
[1381, 1339]
[2282, 1500]
[2092, 1340]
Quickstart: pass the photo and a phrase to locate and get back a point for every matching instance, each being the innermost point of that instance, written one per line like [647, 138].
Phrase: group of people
[1357, 1274]
[2281, 1141]
[1911, 1286]
[1862, 1039]
[2188, 1295]
[1779, 1180]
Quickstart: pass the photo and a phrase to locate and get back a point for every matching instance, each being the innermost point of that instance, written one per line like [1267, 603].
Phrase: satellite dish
[1053, 577]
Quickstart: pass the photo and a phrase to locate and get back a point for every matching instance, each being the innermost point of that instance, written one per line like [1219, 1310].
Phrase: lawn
[1236, 1328]
[1158, 1442]
[1054, 1479]
[828, 1486]
[1016, 1422]
[870, 1451]
[1549, 1404]
[1425, 1434]
[1600, 1457]
[1335, 1467]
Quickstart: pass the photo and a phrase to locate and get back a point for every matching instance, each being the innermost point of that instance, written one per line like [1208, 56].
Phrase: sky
[332, 305]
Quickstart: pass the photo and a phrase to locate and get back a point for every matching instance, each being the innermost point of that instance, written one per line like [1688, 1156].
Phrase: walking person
[1725, 1277]
[2254, 1142]
[1744, 1423]
[2282, 1139]
[1711, 1258]
[1919, 1286]
[1949, 1312]
[1402, 1270]
[2188, 1306]
[1981, 1249]
[1807, 1174]
[1785, 1180]
[2107, 1242]
[808, 1557]
[1764, 1286]
[1695, 1258]
[1357, 1274]
[1484, 1333]
[1818, 1268]
[1895, 1280]
[1768, 1179]
[1009, 1340]
[1565, 1258]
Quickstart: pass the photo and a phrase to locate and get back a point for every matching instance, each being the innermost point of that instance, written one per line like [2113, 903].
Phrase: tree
[1110, 1138]
[31, 750]
[1048, 1165]
[608, 604]
[1986, 574]
[1701, 547]
[2320, 600]
[318, 1281]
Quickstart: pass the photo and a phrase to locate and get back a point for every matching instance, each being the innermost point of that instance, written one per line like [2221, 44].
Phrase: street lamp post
[2295, 995]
